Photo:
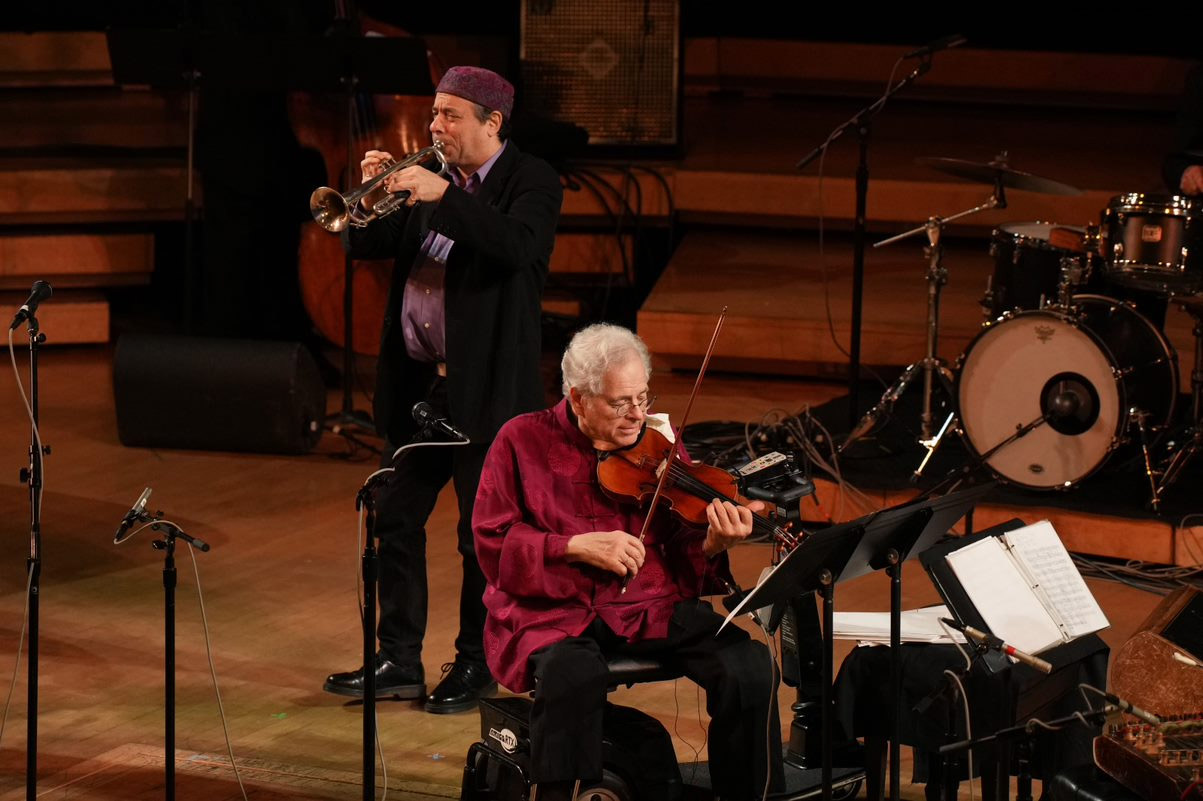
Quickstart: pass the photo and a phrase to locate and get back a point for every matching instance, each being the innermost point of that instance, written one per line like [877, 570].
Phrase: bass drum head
[1013, 372]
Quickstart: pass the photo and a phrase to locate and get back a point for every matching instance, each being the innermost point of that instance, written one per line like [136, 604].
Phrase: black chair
[639, 761]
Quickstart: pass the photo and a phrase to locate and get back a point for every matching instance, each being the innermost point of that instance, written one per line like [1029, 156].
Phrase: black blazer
[494, 281]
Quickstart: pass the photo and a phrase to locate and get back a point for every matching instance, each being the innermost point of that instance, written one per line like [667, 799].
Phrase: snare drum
[1152, 242]
[1084, 368]
[1027, 264]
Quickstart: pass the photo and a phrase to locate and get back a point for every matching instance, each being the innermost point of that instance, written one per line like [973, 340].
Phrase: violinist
[462, 333]
[557, 551]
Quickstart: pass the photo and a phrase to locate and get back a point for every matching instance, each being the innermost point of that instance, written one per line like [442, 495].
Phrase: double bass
[397, 123]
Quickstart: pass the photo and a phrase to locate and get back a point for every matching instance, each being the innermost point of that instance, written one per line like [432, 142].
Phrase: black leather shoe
[392, 680]
[462, 686]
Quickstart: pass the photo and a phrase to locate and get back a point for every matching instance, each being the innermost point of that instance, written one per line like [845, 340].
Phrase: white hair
[594, 350]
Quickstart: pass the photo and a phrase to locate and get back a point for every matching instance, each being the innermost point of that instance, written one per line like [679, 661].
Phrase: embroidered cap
[480, 86]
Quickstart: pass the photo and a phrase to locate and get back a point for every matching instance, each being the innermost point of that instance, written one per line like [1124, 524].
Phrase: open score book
[1027, 589]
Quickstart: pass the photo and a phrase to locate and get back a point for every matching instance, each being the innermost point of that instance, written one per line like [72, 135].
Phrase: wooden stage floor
[280, 593]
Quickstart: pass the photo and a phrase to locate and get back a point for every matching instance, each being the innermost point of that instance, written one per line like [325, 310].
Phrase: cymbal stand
[932, 367]
[1191, 447]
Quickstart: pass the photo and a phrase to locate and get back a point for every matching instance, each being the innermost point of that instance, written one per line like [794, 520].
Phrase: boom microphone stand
[862, 121]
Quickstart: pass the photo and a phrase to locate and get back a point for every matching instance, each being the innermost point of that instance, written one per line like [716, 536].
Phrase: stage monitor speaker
[217, 394]
[612, 67]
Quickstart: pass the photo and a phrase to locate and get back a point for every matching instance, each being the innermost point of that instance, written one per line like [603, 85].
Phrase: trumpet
[334, 211]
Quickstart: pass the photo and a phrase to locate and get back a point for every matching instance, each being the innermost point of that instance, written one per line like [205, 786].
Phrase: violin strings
[699, 488]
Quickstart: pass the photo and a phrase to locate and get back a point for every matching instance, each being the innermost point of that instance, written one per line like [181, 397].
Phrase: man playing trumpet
[462, 333]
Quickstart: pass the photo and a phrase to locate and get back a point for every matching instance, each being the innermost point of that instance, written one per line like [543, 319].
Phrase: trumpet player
[462, 333]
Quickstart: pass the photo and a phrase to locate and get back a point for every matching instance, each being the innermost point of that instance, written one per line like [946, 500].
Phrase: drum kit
[1071, 364]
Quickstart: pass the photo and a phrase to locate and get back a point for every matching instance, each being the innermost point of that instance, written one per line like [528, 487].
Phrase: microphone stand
[863, 122]
[171, 532]
[366, 499]
[1023, 786]
[32, 476]
[948, 774]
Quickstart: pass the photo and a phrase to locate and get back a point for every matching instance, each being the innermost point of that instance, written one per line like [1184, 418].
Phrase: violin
[632, 474]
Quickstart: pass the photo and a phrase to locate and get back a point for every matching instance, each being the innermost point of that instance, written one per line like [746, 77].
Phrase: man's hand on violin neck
[615, 551]
[729, 524]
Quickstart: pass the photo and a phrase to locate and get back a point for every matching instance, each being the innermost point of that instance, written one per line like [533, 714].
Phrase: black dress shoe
[463, 685]
[392, 680]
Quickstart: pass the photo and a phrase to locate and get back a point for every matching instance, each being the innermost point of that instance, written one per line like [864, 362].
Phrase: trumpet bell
[329, 209]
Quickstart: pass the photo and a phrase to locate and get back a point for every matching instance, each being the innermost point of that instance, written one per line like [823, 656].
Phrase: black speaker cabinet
[612, 67]
[217, 394]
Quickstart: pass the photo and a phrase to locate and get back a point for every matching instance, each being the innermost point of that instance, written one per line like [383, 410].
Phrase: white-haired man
[556, 550]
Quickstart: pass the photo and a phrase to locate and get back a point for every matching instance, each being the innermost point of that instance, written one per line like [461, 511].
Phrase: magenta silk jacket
[539, 488]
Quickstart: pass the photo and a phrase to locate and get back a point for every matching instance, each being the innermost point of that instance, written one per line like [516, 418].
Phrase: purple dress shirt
[423, 318]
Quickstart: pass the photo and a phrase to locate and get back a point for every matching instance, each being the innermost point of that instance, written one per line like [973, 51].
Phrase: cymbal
[996, 171]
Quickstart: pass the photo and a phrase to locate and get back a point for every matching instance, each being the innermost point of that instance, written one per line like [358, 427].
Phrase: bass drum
[1080, 372]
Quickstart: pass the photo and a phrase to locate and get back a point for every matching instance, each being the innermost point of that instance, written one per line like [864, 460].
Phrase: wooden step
[54, 58]
[594, 256]
[53, 190]
[71, 317]
[76, 260]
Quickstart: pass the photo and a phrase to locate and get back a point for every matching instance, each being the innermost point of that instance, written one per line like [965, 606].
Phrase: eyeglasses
[623, 408]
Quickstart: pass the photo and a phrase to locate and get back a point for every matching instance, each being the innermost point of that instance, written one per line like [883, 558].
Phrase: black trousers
[402, 510]
[738, 675]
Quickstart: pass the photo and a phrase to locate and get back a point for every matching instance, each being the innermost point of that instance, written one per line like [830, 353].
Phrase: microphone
[134, 515]
[1064, 404]
[943, 43]
[994, 642]
[41, 291]
[425, 416]
[1134, 711]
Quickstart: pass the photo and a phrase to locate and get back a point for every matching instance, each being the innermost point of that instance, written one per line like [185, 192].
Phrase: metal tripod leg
[1194, 444]
[932, 443]
[1137, 418]
[885, 404]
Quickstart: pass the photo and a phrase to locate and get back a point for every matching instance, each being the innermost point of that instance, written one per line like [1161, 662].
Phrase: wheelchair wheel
[846, 791]
[612, 787]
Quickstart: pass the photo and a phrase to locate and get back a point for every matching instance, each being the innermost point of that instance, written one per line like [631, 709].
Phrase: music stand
[344, 62]
[879, 541]
[1063, 656]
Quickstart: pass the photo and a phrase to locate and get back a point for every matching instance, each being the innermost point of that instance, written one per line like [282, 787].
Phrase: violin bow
[671, 454]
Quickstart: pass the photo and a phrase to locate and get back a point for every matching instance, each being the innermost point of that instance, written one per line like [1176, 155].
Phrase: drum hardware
[931, 445]
[1073, 274]
[1137, 418]
[932, 367]
[1183, 452]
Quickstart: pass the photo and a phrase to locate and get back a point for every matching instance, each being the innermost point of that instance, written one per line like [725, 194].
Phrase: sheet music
[917, 625]
[1003, 596]
[1041, 551]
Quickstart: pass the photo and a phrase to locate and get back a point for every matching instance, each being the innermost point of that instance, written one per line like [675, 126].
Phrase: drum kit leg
[1071, 366]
